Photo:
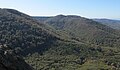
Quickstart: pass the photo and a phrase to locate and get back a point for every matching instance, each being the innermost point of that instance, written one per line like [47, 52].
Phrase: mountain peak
[60, 15]
[70, 16]
[7, 11]
[13, 11]
[74, 16]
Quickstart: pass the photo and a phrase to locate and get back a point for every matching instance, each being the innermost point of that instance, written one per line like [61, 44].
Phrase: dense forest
[60, 42]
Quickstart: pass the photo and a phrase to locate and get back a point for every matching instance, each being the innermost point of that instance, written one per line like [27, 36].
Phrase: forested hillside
[83, 29]
[60, 42]
[10, 61]
[115, 24]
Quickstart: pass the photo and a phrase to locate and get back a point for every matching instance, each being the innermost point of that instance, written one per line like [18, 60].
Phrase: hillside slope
[46, 47]
[115, 24]
[100, 45]
[84, 29]
[21, 32]
[10, 61]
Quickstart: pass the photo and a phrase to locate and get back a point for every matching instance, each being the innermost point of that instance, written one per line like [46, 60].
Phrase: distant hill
[83, 29]
[115, 24]
[100, 42]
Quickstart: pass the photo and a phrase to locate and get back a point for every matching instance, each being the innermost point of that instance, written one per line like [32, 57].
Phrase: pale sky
[85, 8]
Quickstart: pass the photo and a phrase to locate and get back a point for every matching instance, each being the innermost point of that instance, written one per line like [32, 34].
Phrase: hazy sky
[85, 8]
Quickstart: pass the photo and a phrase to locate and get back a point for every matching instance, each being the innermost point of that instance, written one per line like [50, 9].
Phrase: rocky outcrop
[10, 61]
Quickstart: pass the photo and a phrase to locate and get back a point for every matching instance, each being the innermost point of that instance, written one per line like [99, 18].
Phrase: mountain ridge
[78, 23]
[115, 24]
[74, 45]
